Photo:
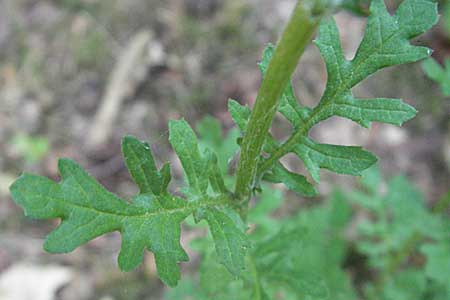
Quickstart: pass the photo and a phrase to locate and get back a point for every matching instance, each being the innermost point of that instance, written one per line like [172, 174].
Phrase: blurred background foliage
[77, 75]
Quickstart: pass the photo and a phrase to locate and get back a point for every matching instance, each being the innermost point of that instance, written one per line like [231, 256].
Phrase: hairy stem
[295, 38]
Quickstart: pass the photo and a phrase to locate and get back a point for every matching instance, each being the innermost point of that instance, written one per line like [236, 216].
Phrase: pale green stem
[295, 38]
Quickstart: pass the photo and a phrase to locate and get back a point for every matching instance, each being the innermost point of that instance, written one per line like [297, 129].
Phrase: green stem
[287, 146]
[295, 38]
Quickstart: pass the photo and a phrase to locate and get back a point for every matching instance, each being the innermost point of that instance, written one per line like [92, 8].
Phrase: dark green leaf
[295, 182]
[239, 113]
[184, 142]
[141, 165]
[229, 237]
[87, 211]
[349, 160]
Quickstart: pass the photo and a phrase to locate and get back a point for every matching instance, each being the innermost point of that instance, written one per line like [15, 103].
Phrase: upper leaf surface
[295, 182]
[141, 165]
[385, 43]
[386, 39]
[350, 160]
[152, 222]
[184, 142]
[88, 210]
[229, 237]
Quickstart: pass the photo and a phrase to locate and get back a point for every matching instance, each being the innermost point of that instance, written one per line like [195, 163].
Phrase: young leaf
[224, 146]
[293, 181]
[165, 176]
[229, 237]
[141, 165]
[371, 56]
[184, 142]
[385, 41]
[87, 210]
[214, 173]
[239, 113]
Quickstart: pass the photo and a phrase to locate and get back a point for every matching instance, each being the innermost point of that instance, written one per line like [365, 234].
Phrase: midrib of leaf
[311, 145]
[189, 207]
[378, 109]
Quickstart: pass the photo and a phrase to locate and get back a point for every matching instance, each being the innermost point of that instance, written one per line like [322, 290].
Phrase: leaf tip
[129, 140]
[16, 187]
[125, 264]
[174, 122]
[409, 112]
[372, 160]
[65, 164]
[53, 245]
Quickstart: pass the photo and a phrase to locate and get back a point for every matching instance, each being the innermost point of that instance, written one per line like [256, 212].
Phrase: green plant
[31, 148]
[406, 243]
[403, 243]
[287, 257]
[152, 220]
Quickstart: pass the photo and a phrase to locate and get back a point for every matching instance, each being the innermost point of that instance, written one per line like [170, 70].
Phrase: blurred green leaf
[439, 74]
[31, 148]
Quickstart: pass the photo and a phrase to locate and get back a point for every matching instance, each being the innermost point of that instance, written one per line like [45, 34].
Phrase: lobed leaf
[152, 220]
[88, 210]
[350, 160]
[184, 142]
[385, 43]
[229, 236]
[295, 182]
[141, 165]
[343, 75]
